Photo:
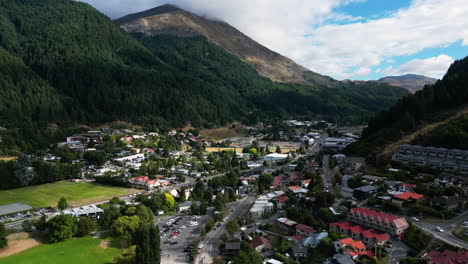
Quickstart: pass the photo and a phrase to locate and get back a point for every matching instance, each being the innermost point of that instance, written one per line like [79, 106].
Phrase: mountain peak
[172, 20]
[163, 9]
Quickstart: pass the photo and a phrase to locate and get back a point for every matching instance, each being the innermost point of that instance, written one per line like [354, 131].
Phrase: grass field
[87, 250]
[224, 132]
[76, 193]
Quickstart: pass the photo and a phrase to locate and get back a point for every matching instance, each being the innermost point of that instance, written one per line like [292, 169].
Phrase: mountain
[435, 116]
[411, 82]
[63, 64]
[168, 19]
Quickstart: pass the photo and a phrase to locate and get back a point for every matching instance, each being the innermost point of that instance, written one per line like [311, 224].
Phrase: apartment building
[452, 160]
[390, 224]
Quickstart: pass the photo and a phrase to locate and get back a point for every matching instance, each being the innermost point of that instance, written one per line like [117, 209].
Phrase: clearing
[76, 193]
[233, 130]
[87, 250]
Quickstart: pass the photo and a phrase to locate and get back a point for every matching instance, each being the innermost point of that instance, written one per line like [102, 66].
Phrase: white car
[415, 219]
[201, 246]
[439, 229]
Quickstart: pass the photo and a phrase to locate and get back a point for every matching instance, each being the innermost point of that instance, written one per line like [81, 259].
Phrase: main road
[447, 226]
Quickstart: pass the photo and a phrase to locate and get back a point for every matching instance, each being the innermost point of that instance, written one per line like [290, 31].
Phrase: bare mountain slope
[411, 82]
[168, 19]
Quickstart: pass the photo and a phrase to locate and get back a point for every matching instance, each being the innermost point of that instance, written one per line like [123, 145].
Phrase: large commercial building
[452, 160]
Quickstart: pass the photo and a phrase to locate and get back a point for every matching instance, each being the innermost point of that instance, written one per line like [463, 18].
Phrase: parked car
[201, 246]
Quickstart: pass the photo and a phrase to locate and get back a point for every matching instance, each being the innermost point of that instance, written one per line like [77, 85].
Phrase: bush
[85, 226]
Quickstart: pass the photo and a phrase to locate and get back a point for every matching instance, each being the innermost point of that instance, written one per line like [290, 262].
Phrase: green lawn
[77, 193]
[86, 250]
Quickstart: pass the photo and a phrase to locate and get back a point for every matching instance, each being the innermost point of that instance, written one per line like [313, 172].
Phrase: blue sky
[345, 39]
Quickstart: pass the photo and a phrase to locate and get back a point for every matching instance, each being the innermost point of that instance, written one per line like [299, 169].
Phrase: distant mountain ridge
[169, 19]
[434, 116]
[411, 82]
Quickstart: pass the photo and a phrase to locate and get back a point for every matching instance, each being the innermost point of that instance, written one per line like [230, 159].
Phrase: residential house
[314, 240]
[272, 261]
[231, 248]
[370, 237]
[185, 206]
[340, 259]
[407, 198]
[299, 251]
[390, 224]
[260, 208]
[346, 191]
[446, 257]
[286, 224]
[304, 230]
[305, 183]
[448, 203]
[298, 191]
[260, 243]
[281, 202]
[365, 192]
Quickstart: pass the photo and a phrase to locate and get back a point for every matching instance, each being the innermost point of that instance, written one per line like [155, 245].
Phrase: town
[280, 193]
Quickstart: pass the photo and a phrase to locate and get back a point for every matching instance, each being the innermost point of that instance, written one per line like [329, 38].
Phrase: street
[211, 242]
[448, 226]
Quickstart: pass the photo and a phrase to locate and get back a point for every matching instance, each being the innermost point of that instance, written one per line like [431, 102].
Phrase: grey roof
[340, 259]
[367, 188]
[232, 246]
[14, 208]
[185, 204]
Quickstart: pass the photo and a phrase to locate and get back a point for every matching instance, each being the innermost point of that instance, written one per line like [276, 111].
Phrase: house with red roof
[406, 187]
[380, 221]
[281, 201]
[369, 237]
[260, 243]
[407, 198]
[305, 183]
[304, 230]
[446, 257]
[278, 182]
[354, 248]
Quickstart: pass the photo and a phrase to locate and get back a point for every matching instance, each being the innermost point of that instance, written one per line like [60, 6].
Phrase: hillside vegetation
[65, 63]
[434, 104]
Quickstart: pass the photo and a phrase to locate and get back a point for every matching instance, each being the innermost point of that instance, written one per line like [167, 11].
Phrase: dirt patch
[105, 243]
[19, 243]
[8, 158]
[233, 130]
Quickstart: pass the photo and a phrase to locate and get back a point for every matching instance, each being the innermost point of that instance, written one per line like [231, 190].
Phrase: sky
[345, 39]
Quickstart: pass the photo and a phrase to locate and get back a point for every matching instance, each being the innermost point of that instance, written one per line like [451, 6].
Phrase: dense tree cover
[3, 236]
[453, 135]
[86, 225]
[62, 227]
[64, 62]
[417, 238]
[147, 241]
[432, 104]
[15, 174]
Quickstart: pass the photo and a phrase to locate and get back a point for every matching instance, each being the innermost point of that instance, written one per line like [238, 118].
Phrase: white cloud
[329, 48]
[432, 67]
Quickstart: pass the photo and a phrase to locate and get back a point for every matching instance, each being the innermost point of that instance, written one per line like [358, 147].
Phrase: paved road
[448, 227]
[399, 251]
[212, 240]
[326, 172]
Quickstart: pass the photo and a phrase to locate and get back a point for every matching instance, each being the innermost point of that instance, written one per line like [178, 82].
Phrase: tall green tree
[62, 227]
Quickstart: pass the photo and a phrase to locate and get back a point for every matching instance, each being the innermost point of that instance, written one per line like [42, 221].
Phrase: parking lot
[177, 236]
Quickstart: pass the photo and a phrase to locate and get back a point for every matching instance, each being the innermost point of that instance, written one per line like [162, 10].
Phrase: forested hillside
[434, 103]
[64, 62]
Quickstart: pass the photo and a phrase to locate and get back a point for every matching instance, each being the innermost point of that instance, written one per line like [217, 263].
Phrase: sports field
[87, 250]
[76, 193]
